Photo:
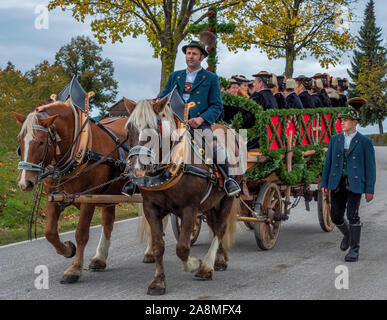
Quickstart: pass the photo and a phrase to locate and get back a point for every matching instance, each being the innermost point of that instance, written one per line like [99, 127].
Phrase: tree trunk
[167, 66]
[380, 122]
[289, 62]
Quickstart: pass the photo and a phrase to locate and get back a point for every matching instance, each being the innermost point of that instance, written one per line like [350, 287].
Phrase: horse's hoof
[72, 247]
[69, 279]
[148, 258]
[204, 276]
[157, 291]
[97, 265]
[220, 267]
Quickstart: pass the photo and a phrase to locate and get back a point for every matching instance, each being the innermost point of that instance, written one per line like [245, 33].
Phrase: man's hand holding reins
[195, 122]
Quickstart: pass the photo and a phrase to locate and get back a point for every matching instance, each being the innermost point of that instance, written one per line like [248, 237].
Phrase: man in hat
[292, 100]
[263, 95]
[349, 171]
[195, 84]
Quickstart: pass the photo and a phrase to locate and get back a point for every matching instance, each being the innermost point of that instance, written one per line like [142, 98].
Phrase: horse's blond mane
[32, 120]
[144, 117]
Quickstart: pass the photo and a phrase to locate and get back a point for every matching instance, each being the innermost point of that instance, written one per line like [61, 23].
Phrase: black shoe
[231, 187]
[344, 228]
[129, 189]
[353, 254]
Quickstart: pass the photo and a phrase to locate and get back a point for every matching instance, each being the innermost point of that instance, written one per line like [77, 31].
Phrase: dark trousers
[342, 198]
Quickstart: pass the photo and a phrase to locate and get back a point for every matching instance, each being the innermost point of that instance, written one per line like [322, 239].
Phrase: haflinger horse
[46, 136]
[169, 188]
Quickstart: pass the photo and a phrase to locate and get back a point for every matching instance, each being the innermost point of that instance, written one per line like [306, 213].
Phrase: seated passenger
[303, 84]
[292, 100]
[314, 92]
[234, 87]
[341, 87]
[278, 92]
[263, 95]
[243, 85]
[332, 93]
[323, 94]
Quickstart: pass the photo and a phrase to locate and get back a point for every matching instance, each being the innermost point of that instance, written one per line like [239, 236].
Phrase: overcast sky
[138, 74]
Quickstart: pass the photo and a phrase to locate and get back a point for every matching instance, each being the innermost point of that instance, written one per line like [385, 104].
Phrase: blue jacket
[361, 166]
[205, 92]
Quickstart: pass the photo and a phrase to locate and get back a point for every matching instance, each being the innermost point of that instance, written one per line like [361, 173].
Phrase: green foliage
[290, 29]
[82, 58]
[369, 46]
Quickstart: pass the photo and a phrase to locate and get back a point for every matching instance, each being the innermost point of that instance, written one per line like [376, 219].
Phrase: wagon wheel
[324, 211]
[175, 222]
[269, 202]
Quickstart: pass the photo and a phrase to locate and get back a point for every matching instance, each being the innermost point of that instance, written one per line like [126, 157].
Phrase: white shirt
[348, 139]
[191, 76]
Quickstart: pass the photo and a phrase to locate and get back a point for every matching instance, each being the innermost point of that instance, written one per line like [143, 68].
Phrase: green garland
[302, 172]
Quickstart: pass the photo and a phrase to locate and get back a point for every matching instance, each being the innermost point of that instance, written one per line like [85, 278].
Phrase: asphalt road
[301, 266]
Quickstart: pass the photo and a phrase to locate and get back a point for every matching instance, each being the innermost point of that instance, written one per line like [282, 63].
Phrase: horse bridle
[51, 139]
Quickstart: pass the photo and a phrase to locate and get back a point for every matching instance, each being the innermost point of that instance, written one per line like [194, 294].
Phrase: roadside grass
[16, 206]
[378, 139]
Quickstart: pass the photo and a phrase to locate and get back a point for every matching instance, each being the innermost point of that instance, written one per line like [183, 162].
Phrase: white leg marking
[103, 248]
[210, 257]
[192, 264]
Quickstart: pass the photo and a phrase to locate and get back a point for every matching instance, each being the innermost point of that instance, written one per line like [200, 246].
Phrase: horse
[185, 196]
[46, 136]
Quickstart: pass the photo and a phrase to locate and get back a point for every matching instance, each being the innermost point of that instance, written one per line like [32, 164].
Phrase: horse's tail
[232, 219]
[143, 230]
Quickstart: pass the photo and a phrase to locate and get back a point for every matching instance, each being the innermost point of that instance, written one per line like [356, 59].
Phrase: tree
[82, 58]
[22, 93]
[372, 86]
[290, 29]
[44, 80]
[164, 23]
[369, 44]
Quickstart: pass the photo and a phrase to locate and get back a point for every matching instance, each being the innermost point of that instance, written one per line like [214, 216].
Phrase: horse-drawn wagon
[286, 152]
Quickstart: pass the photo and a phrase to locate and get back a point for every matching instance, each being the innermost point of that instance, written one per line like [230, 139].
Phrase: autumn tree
[291, 29]
[372, 86]
[82, 58]
[23, 93]
[164, 23]
[369, 45]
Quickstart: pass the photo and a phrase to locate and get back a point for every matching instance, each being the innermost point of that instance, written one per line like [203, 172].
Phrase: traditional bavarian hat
[317, 83]
[240, 78]
[334, 82]
[353, 111]
[343, 82]
[232, 80]
[290, 84]
[351, 114]
[195, 44]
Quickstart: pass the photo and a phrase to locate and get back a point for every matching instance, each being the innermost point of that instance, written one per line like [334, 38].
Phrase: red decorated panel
[315, 130]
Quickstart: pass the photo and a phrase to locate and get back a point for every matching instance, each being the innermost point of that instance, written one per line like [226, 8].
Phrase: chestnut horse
[184, 198]
[38, 150]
